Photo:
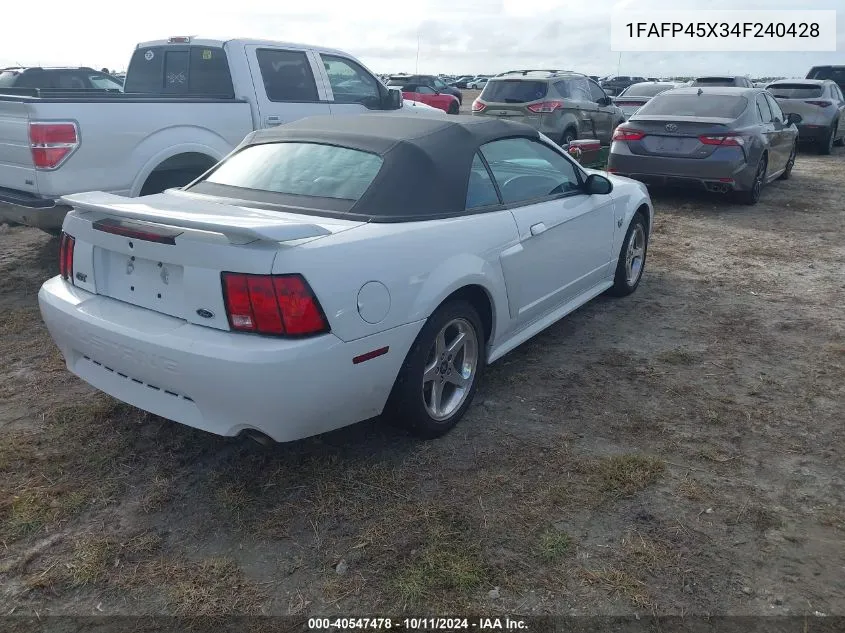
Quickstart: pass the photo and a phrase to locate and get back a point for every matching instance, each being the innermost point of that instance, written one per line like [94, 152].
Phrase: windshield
[646, 90]
[796, 91]
[514, 91]
[836, 74]
[672, 105]
[301, 169]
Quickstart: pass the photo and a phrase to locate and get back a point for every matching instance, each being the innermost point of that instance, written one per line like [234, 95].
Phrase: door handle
[273, 120]
[538, 228]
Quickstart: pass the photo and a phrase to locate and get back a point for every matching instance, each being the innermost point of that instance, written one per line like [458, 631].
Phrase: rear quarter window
[514, 91]
[721, 106]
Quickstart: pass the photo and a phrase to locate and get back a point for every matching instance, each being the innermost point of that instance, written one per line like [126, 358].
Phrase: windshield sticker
[149, 56]
[206, 54]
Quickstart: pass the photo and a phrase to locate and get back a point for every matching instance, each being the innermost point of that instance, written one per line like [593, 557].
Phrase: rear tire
[839, 142]
[632, 257]
[454, 108]
[569, 135]
[826, 144]
[431, 364]
[787, 172]
[752, 196]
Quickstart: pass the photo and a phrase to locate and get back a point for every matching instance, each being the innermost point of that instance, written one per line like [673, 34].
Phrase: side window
[287, 76]
[596, 92]
[424, 90]
[562, 88]
[525, 170]
[350, 83]
[763, 109]
[777, 113]
[481, 192]
[578, 90]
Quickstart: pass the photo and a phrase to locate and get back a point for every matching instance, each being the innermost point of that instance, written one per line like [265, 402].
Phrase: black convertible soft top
[426, 166]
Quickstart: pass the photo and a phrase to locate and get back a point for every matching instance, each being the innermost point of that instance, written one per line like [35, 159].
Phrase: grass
[624, 475]
[620, 582]
[553, 545]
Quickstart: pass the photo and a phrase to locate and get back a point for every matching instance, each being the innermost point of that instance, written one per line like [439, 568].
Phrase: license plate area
[670, 144]
[143, 282]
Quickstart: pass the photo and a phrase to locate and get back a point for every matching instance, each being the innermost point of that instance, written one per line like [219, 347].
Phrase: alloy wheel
[635, 255]
[450, 369]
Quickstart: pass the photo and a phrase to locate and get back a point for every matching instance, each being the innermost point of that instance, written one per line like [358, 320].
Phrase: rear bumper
[218, 381]
[813, 133]
[32, 210]
[727, 170]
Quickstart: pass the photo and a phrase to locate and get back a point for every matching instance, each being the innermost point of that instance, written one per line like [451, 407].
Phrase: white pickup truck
[187, 102]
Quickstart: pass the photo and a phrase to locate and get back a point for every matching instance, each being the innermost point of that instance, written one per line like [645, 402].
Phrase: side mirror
[605, 101]
[793, 118]
[597, 185]
[393, 99]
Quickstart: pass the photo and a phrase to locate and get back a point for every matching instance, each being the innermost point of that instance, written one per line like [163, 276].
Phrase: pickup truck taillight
[52, 143]
[66, 244]
[280, 305]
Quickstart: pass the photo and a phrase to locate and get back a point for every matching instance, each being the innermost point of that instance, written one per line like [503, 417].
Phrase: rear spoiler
[239, 227]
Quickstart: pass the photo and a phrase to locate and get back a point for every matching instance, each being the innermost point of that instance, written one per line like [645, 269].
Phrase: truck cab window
[287, 76]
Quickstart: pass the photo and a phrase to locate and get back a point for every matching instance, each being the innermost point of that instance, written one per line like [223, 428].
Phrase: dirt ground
[675, 452]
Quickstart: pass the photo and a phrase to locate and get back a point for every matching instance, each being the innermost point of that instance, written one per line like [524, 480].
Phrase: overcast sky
[455, 36]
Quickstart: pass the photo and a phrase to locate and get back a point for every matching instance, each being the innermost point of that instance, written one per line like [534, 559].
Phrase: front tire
[632, 256]
[752, 196]
[441, 372]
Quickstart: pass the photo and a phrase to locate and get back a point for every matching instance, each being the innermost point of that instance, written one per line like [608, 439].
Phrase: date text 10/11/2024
[419, 624]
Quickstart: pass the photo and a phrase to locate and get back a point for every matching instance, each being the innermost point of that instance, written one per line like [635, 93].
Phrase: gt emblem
[129, 267]
[671, 127]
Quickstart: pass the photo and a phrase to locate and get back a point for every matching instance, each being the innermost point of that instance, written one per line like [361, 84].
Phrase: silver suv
[562, 104]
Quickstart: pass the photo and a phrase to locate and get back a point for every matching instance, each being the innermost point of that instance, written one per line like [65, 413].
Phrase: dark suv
[563, 105]
[435, 83]
[722, 81]
[81, 78]
[614, 85]
[834, 73]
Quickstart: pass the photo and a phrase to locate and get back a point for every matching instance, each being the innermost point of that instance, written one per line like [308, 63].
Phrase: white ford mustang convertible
[335, 269]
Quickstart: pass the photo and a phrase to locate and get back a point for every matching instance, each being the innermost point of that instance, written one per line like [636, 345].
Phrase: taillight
[478, 106]
[821, 104]
[627, 134]
[66, 244]
[52, 143]
[730, 141]
[272, 304]
[546, 106]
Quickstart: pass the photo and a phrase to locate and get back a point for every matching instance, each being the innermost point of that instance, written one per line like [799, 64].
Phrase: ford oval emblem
[205, 314]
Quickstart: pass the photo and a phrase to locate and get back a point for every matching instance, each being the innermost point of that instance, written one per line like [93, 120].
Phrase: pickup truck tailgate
[17, 170]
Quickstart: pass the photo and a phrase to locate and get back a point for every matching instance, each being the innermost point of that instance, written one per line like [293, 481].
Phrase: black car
[79, 78]
[834, 73]
[614, 85]
[435, 83]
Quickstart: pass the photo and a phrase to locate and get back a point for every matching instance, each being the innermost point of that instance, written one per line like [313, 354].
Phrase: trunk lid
[677, 136]
[166, 252]
[17, 170]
